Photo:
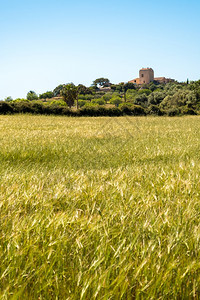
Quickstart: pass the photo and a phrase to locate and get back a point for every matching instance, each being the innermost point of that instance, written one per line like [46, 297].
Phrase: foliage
[156, 98]
[31, 96]
[116, 100]
[58, 102]
[46, 95]
[82, 89]
[86, 97]
[154, 110]
[58, 89]
[82, 102]
[8, 99]
[5, 108]
[107, 97]
[69, 94]
[144, 91]
[99, 101]
[140, 99]
[171, 99]
[21, 99]
[101, 82]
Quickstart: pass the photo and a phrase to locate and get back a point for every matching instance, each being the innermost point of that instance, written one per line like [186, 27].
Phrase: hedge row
[38, 108]
[135, 110]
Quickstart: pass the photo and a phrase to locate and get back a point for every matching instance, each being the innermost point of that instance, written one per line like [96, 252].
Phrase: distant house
[105, 89]
[146, 75]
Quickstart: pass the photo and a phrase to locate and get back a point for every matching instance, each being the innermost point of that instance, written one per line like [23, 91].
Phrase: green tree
[83, 90]
[31, 96]
[101, 82]
[46, 95]
[116, 100]
[69, 94]
[127, 86]
[8, 99]
[58, 89]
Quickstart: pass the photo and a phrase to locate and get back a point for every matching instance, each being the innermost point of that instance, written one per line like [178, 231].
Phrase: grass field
[99, 208]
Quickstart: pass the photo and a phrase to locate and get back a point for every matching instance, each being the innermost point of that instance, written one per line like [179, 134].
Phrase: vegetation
[46, 95]
[101, 82]
[158, 99]
[69, 94]
[99, 208]
[32, 96]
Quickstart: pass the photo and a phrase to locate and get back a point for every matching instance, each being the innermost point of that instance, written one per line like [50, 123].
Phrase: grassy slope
[104, 208]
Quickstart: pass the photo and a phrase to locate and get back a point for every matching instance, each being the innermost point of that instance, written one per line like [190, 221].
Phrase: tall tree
[83, 90]
[69, 94]
[127, 86]
[31, 95]
[101, 82]
[58, 89]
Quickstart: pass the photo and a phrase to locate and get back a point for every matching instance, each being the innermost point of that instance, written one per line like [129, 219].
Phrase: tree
[127, 86]
[8, 99]
[69, 94]
[46, 95]
[58, 89]
[31, 96]
[101, 82]
[83, 90]
[116, 100]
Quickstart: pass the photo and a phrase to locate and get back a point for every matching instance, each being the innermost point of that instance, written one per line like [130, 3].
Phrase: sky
[44, 43]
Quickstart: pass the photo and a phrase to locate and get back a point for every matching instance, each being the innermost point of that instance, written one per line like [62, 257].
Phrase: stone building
[146, 75]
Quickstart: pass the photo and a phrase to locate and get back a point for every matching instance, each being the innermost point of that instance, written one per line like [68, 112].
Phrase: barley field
[99, 208]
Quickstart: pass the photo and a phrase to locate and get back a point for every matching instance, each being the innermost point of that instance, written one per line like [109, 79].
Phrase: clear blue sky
[46, 43]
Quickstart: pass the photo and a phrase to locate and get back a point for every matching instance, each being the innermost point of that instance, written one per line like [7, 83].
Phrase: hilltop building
[146, 75]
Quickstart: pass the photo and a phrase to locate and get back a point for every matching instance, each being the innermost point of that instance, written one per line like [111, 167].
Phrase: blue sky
[46, 43]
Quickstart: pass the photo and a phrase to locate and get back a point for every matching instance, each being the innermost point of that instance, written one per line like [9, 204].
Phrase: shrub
[81, 103]
[58, 103]
[138, 110]
[86, 97]
[53, 109]
[116, 100]
[5, 108]
[154, 110]
[99, 111]
[22, 107]
[188, 111]
[135, 110]
[174, 111]
[126, 110]
[99, 101]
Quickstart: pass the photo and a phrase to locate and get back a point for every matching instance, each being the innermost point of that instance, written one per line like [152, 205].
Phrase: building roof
[144, 69]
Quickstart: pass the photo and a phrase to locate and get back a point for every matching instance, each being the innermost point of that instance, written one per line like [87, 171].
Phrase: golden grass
[99, 208]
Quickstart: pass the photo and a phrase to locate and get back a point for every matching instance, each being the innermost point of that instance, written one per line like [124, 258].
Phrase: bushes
[5, 108]
[99, 101]
[94, 111]
[138, 110]
[135, 110]
[36, 107]
[185, 110]
[154, 110]
[174, 111]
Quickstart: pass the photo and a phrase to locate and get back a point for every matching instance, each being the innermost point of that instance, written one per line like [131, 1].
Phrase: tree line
[171, 99]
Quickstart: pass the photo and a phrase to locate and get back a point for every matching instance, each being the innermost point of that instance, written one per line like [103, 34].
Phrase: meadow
[99, 208]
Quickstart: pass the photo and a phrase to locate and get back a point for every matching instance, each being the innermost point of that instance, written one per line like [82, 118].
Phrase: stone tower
[146, 75]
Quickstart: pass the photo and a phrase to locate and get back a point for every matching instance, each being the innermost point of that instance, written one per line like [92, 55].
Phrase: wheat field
[99, 208]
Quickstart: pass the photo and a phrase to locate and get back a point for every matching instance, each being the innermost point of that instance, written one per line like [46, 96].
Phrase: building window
[142, 75]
